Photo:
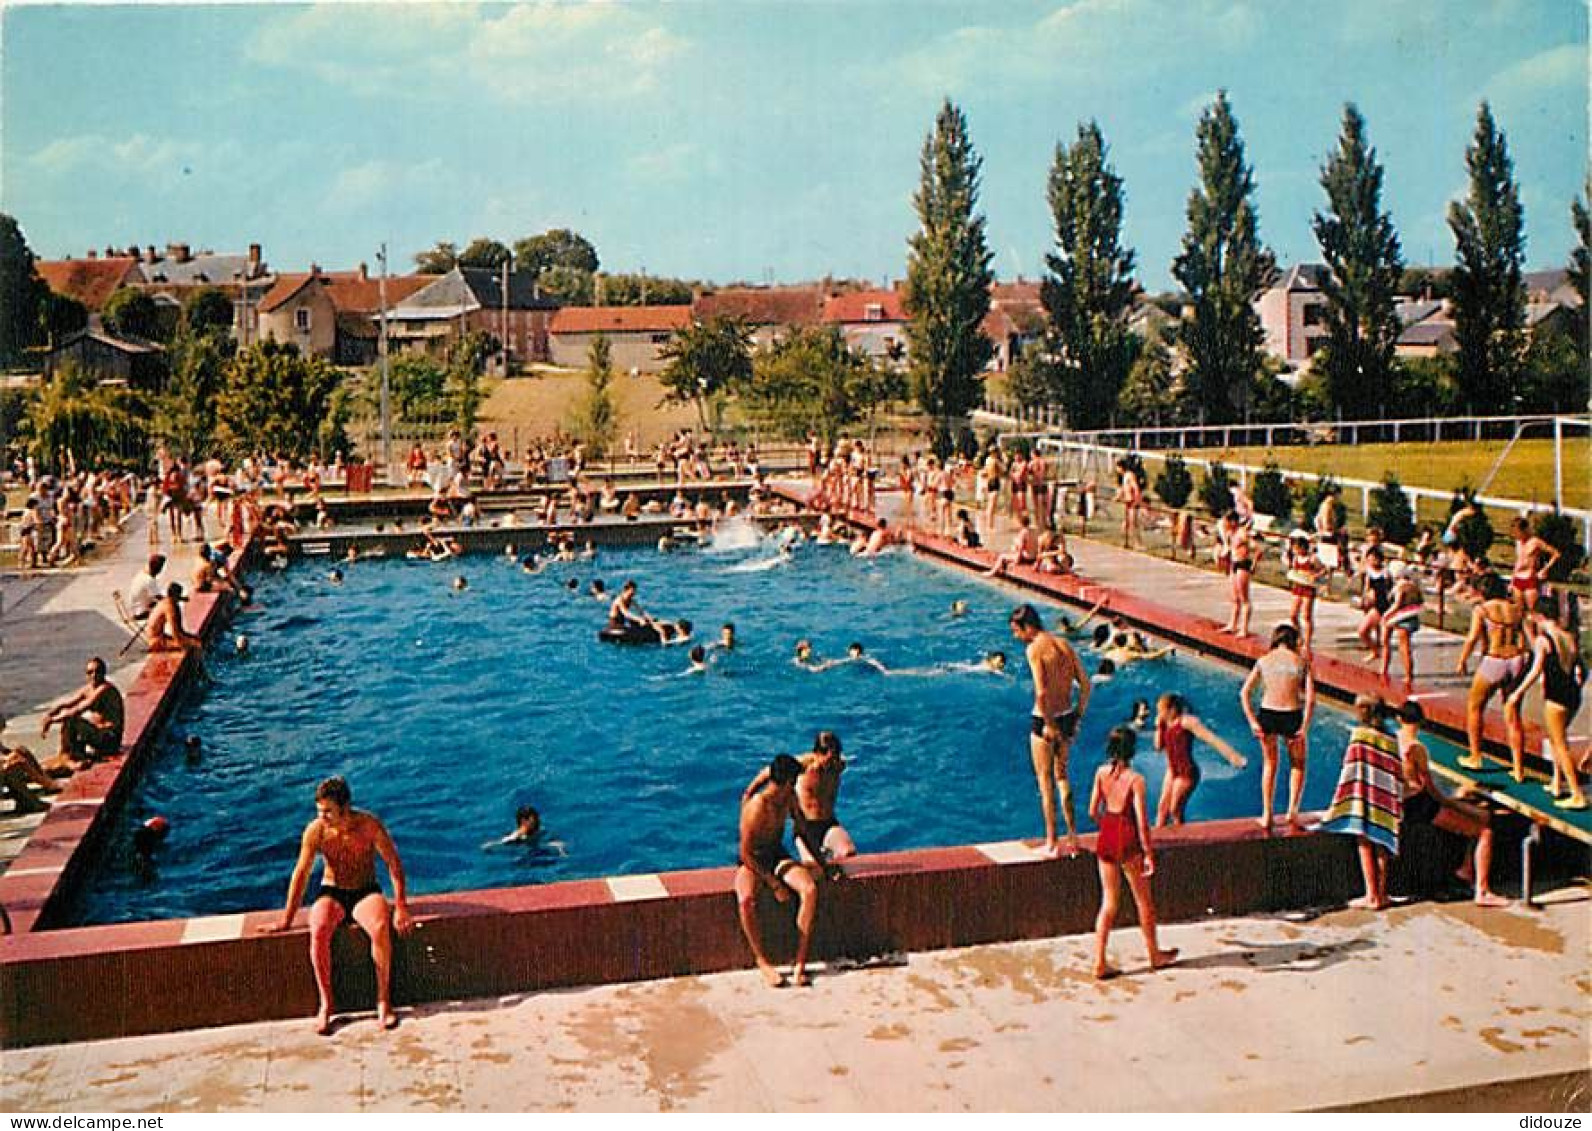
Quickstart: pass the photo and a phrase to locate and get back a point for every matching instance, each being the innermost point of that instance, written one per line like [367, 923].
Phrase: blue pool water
[446, 710]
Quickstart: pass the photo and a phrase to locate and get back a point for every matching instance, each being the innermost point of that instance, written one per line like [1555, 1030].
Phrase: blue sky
[749, 140]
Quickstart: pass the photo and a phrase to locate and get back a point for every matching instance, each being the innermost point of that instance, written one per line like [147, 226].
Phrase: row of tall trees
[1212, 365]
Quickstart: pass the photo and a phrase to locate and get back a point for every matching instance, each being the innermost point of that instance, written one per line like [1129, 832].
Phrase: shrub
[1563, 535]
[1216, 490]
[1174, 485]
[1271, 494]
[1474, 533]
[1391, 510]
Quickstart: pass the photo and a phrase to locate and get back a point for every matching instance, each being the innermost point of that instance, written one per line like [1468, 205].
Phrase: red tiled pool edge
[98, 982]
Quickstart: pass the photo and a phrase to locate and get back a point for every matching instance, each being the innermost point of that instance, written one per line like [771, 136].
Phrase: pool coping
[672, 923]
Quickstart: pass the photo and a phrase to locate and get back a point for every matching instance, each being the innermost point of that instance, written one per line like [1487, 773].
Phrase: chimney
[177, 252]
[112, 253]
[92, 254]
[364, 273]
[150, 254]
[254, 260]
[315, 270]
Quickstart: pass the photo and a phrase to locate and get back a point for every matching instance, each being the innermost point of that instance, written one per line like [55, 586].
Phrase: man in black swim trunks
[350, 841]
[765, 806]
[1055, 719]
[90, 719]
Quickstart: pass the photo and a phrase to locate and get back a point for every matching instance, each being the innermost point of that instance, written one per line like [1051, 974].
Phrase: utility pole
[507, 263]
[386, 420]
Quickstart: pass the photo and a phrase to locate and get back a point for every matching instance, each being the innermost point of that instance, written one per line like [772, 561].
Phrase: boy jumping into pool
[764, 860]
[1055, 719]
[349, 840]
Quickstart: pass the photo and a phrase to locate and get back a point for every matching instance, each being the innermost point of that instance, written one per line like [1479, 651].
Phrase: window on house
[1315, 314]
[660, 339]
[874, 312]
[301, 320]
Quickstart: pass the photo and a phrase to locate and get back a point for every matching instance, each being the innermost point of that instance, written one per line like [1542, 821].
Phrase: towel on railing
[1369, 801]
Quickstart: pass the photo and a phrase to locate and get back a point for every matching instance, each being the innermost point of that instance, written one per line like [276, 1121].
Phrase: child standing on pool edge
[1117, 805]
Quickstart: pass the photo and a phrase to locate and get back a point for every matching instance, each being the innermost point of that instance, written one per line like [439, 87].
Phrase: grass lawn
[1526, 475]
[537, 404]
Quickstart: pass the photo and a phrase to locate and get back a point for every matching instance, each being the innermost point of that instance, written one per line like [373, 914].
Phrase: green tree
[646, 290]
[22, 293]
[274, 400]
[948, 278]
[1391, 510]
[597, 417]
[1216, 489]
[1032, 377]
[1489, 293]
[568, 285]
[1271, 495]
[1089, 283]
[556, 247]
[73, 413]
[1222, 266]
[810, 381]
[133, 313]
[417, 381]
[1152, 395]
[184, 412]
[462, 386]
[1174, 485]
[1557, 374]
[1474, 532]
[60, 316]
[208, 308]
[705, 361]
[1424, 386]
[1364, 266]
[484, 252]
[437, 260]
[1580, 265]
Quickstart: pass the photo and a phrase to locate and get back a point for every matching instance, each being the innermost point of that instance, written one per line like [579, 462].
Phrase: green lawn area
[1527, 474]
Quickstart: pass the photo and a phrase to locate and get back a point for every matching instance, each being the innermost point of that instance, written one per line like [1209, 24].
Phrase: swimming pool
[446, 710]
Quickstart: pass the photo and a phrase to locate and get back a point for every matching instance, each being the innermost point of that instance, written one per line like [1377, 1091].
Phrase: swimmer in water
[573, 585]
[1105, 672]
[335, 577]
[959, 608]
[527, 826]
[241, 643]
[353, 554]
[995, 661]
[460, 584]
[598, 589]
[1141, 714]
[530, 563]
[726, 640]
[1066, 627]
[699, 660]
[193, 749]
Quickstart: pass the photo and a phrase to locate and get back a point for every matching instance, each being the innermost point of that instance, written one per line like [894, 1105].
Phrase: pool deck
[1427, 1007]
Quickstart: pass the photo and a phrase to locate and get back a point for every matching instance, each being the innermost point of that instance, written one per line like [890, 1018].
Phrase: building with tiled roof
[110, 357]
[1293, 314]
[333, 314]
[472, 298]
[768, 311]
[872, 322]
[89, 281]
[636, 334]
[1016, 317]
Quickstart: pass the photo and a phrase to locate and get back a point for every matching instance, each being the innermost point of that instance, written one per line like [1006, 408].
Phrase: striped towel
[1369, 801]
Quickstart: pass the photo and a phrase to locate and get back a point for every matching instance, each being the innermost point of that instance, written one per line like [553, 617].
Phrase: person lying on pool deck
[764, 861]
[349, 841]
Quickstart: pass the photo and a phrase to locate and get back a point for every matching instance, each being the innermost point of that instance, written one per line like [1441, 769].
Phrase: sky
[753, 140]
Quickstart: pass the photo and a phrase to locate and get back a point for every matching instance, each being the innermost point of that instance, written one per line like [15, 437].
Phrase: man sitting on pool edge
[765, 860]
[349, 840]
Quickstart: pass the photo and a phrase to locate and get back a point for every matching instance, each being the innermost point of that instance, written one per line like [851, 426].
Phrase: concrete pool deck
[1426, 1007]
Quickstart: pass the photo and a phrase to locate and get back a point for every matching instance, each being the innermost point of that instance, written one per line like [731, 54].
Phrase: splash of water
[738, 533]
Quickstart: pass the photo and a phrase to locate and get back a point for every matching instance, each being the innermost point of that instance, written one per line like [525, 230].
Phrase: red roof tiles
[763, 306]
[89, 281]
[619, 319]
[865, 306]
[349, 291]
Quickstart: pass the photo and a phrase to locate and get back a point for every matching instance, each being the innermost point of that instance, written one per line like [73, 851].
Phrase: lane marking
[628, 889]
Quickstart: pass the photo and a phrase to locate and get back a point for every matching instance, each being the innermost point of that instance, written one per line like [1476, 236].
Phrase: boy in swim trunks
[1287, 701]
[1055, 719]
[764, 861]
[1530, 567]
[349, 841]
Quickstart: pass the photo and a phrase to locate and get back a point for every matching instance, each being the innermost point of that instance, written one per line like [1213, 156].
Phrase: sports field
[1527, 474]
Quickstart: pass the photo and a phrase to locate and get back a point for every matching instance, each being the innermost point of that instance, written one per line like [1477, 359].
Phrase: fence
[1099, 461]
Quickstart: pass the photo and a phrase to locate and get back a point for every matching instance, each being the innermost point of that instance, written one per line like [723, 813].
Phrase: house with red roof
[768, 311]
[636, 334]
[1016, 317]
[871, 322]
[333, 314]
[89, 281]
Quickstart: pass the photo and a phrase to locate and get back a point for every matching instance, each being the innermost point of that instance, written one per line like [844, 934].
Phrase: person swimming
[335, 577]
[699, 660]
[598, 589]
[530, 563]
[959, 608]
[1141, 714]
[1105, 672]
[460, 584]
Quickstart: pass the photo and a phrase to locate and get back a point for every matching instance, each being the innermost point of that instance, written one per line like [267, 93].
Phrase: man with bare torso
[90, 719]
[349, 840]
[817, 789]
[764, 861]
[1055, 719]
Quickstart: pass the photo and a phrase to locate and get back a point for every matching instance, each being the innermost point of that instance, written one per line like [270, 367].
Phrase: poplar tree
[1580, 264]
[1089, 283]
[1488, 292]
[948, 278]
[1364, 265]
[1222, 267]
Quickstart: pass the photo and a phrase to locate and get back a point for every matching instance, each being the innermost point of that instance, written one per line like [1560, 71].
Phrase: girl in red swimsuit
[1175, 732]
[1117, 806]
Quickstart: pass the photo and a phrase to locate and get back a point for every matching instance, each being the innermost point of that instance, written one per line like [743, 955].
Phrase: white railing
[1107, 454]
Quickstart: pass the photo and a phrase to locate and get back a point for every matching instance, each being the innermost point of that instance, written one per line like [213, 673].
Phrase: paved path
[1262, 1014]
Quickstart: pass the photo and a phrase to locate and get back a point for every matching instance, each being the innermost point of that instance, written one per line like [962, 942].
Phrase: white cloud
[137, 156]
[1524, 84]
[1085, 40]
[540, 52]
[675, 162]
